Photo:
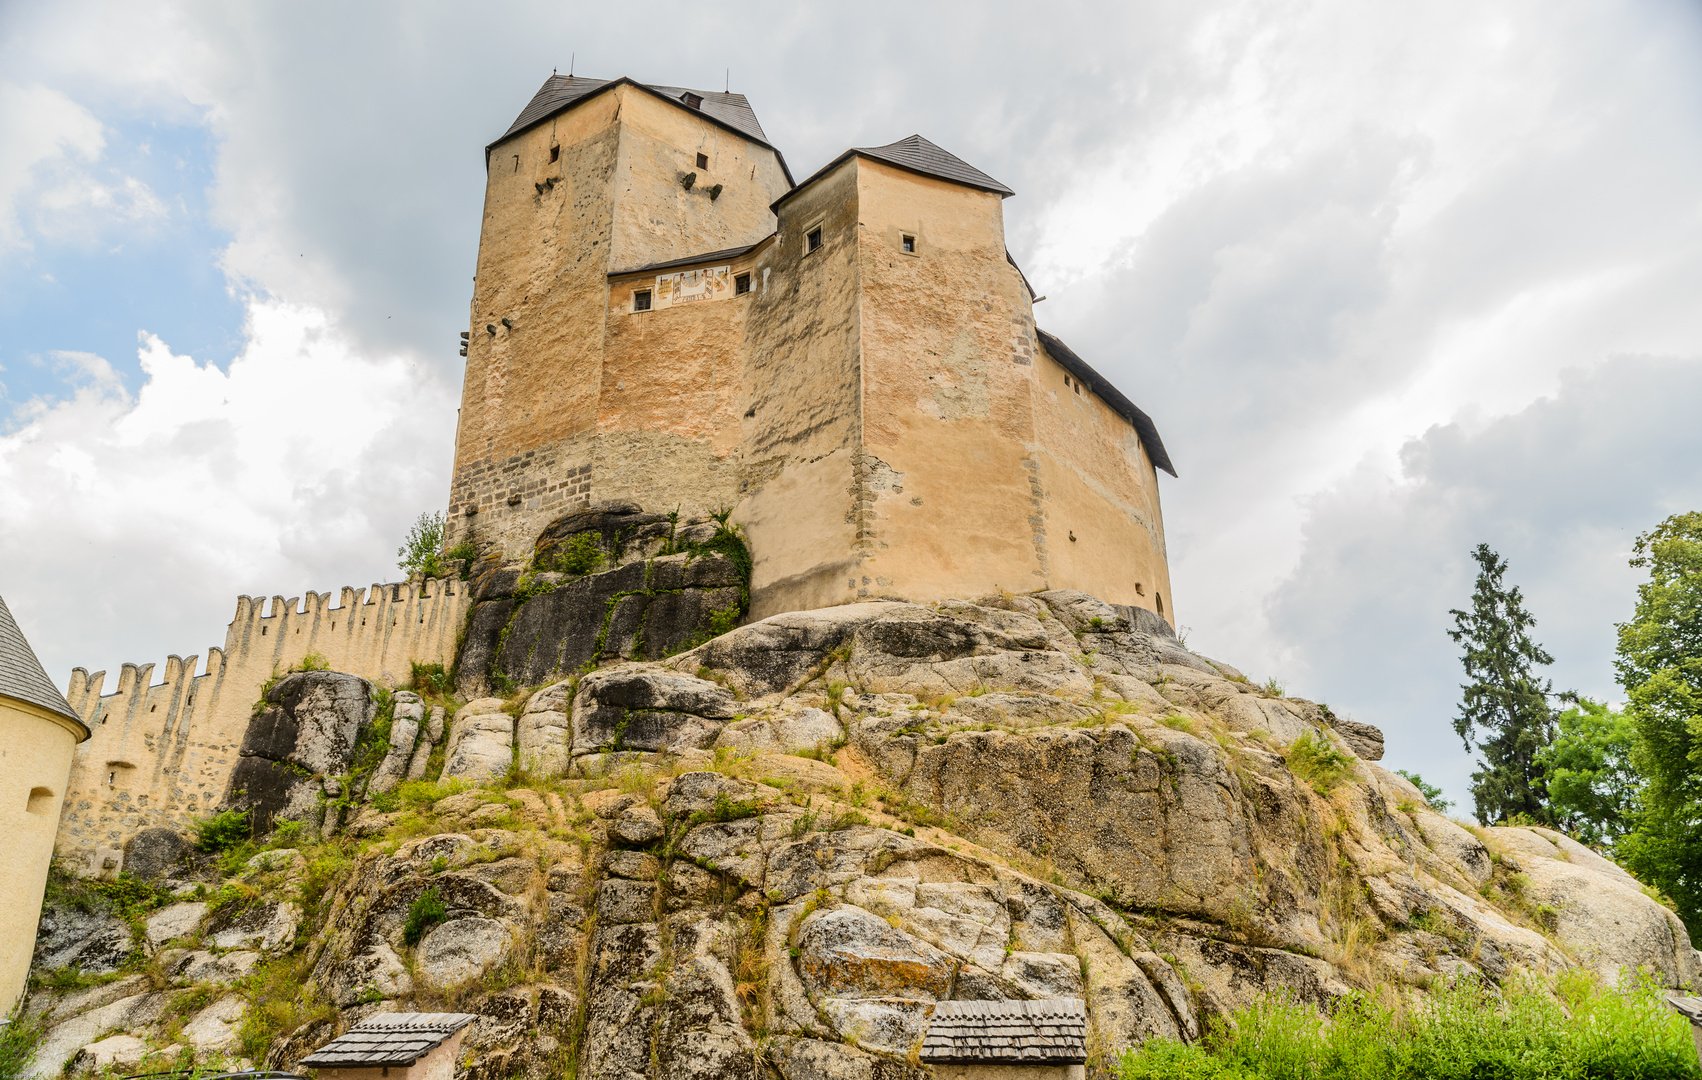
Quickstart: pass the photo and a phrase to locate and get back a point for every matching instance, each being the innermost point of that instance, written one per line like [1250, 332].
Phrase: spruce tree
[1504, 698]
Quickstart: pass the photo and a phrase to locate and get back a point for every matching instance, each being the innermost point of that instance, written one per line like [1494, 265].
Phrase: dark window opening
[703, 161]
[555, 153]
[813, 240]
[741, 284]
[641, 300]
[692, 100]
[909, 244]
[1160, 598]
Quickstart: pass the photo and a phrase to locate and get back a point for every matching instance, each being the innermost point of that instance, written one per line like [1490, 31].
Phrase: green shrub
[425, 912]
[1461, 1032]
[1315, 759]
[419, 551]
[431, 679]
[580, 553]
[223, 830]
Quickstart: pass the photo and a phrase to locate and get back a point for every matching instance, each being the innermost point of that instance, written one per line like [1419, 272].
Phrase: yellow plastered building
[850, 364]
[38, 735]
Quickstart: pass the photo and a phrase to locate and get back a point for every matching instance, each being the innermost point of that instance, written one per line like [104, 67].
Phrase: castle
[850, 364]
[661, 317]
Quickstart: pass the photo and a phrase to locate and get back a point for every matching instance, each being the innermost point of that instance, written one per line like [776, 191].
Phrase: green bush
[1315, 759]
[419, 550]
[425, 912]
[431, 679]
[1462, 1032]
[580, 553]
[222, 830]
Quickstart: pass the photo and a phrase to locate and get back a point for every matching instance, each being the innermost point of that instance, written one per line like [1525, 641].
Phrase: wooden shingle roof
[388, 1039]
[21, 675]
[1049, 1032]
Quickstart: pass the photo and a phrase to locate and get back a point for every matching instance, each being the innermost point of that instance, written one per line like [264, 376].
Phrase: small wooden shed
[1008, 1040]
[394, 1046]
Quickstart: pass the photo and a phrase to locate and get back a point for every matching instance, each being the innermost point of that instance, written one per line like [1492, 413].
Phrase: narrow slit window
[703, 161]
[908, 244]
[741, 284]
[641, 300]
[555, 153]
[812, 240]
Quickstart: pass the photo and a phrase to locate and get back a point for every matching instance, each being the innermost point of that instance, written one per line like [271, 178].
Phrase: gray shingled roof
[560, 92]
[388, 1039]
[1050, 1032]
[914, 154]
[21, 675]
[921, 156]
[1112, 396]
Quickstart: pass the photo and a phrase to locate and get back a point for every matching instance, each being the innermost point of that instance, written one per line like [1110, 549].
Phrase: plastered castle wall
[592, 190]
[162, 753]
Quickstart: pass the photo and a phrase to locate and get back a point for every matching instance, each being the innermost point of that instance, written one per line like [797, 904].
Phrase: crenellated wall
[162, 753]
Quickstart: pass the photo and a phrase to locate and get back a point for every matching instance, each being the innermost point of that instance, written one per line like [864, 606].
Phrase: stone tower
[849, 365]
[38, 734]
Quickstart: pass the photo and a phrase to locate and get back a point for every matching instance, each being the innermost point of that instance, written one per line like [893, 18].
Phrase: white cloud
[298, 468]
[38, 126]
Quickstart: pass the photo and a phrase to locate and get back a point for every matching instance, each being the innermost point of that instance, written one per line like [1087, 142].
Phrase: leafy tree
[1660, 665]
[1432, 794]
[421, 552]
[1592, 782]
[1504, 697]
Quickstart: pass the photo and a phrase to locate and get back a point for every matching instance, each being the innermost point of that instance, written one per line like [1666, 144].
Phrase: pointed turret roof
[21, 675]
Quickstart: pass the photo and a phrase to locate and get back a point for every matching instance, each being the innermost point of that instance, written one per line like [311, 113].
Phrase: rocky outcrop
[604, 584]
[306, 731]
[1018, 798]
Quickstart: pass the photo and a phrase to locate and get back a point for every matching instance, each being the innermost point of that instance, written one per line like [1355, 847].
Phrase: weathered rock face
[151, 852]
[651, 597]
[679, 897]
[308, 730]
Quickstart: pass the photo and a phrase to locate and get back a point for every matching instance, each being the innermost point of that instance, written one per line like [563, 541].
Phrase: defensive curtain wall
[162, 753]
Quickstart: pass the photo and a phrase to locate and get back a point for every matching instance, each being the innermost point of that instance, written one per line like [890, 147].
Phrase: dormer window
[703, 161]
[641, 300]
[693, 101]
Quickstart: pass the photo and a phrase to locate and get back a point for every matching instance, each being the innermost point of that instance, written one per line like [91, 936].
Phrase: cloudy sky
[1392, 280]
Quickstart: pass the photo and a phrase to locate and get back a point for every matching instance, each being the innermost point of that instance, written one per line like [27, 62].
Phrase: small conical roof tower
[21, 675]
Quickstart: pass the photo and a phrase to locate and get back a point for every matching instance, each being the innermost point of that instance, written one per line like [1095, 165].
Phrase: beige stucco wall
[1104, 523]
[532, 426]
[802, 422]
[36, 747]
[162, 754]
[947, 365]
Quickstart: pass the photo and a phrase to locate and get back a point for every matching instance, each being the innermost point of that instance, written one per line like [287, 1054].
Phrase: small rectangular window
[908, 244]
[703, 161]
[555, 153]
[641, 300]
[812, 240]
[741, 284]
